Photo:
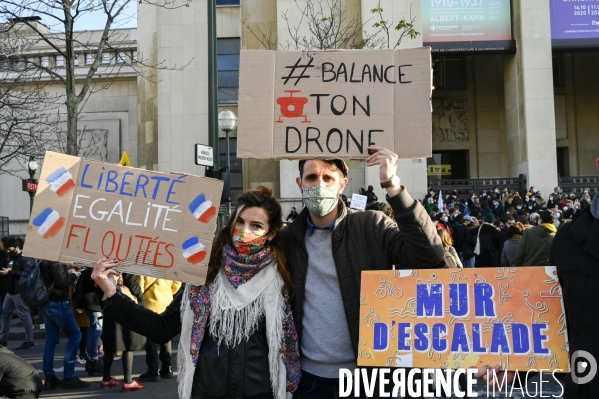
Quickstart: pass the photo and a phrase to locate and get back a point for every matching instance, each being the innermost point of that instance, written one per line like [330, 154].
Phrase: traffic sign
[204, 155]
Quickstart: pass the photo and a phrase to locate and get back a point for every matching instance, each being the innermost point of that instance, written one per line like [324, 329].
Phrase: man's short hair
[547, 216]
[14, 242]
[338, 165]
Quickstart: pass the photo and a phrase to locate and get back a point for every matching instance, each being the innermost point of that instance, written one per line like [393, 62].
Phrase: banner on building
[334, 104]
[467, 26]
[574, 24]
[153, 223]
[458, 318]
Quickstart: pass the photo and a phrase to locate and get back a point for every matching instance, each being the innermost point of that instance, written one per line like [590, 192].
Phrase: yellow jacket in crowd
[158, 293]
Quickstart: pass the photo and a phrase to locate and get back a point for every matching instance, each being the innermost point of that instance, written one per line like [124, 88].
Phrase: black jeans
[152, 356]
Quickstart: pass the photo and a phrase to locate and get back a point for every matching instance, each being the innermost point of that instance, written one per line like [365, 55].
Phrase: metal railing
[577, 184]
[465, 187]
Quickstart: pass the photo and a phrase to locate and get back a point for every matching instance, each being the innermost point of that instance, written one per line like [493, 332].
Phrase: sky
[96, 20]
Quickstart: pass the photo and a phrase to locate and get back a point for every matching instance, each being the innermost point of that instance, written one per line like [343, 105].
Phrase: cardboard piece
[458, 318]
[155, 224]
[358, 202]
[335, 103]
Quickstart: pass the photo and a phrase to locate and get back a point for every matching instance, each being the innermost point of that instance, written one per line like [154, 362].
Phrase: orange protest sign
[458, 318]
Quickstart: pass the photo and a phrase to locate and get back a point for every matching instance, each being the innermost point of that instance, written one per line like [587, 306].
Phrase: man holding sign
[327, 248]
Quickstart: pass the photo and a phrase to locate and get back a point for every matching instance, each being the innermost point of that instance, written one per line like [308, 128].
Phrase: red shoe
[109, 384]
[134, 386]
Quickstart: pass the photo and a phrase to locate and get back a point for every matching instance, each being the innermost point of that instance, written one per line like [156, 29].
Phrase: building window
[89, 59]
[449, 73]
[227, 2]
[59, 61]
[106, 57]
[228, 70]
[559, 79]
[45, 62]
[134, 56]
[236, 168]
[16, 64]
[2, 63]
[123, 57]
[448, 165]
[76, 60]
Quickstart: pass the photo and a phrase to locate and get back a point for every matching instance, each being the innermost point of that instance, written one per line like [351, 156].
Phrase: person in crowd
[463, 207]
[430, 205]
[503, 197]
[158, 294]
[488, 236]
[292, 215]
[586, 196]
[225, 347]
[370, 195]
[496, 208]
[475, 209]
[452, 259]
[557, 192]
[82, 323]
[506, 222]
[443, 223]
[326, 250]
[89, 302]
[17, 263]
[431, 194]
[514, 234]
[118, 337]
[534, 247]
[58, 316]
[575, 253]
[383, 207]
[552, 202]
[18, 378]
[464, 243]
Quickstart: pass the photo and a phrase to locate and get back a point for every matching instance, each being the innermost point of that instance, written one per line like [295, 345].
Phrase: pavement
[167, 388]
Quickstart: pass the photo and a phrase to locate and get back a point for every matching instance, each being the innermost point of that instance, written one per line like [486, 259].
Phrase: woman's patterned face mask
[248, 243]
[320, 200]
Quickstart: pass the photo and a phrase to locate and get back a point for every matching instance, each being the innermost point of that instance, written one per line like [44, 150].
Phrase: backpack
[32, 287]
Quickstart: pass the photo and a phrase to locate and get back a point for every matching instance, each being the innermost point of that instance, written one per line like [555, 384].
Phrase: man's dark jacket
[18, 379]
[366, 240]
[575, 253]
[57, 274]
[19, 264]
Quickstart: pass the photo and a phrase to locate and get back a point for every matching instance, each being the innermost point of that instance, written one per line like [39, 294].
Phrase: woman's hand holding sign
[103, 272]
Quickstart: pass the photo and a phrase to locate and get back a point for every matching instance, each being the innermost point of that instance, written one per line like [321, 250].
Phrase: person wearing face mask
[497, 208]
[17, 263]
[238, 338]
[431, 194]
[327, 248]
[430, 204]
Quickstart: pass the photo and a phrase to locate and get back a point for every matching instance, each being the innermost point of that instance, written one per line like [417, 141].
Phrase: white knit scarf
[234, 316]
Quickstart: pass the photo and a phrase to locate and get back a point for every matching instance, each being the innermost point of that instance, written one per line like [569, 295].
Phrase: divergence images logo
[202, 209]
[193, 250]
[583, 367]
[61, 181]
[49, 222]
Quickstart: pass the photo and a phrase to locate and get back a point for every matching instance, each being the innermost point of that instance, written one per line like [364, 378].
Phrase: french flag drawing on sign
[193, 250]
[61, 181]
[48, 222]
[202, 209]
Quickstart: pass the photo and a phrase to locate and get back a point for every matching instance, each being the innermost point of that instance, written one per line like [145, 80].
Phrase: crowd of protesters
[488, 228]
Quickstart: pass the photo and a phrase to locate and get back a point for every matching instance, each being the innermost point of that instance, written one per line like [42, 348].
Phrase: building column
[529, 103]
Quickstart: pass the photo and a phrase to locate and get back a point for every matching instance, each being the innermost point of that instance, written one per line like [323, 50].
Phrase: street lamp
[227, 122]
[30, 185]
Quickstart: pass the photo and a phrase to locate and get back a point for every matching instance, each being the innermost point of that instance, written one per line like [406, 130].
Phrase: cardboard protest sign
[334, 103]
[458, 318]
[153, 223]
[358, 202]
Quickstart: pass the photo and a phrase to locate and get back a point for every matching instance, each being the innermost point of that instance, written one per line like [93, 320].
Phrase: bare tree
[28, 125]
[329, 27]
[60, 35]
[404, 27]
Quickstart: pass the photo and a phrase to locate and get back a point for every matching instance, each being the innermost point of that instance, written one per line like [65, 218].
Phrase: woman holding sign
[237, 333]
